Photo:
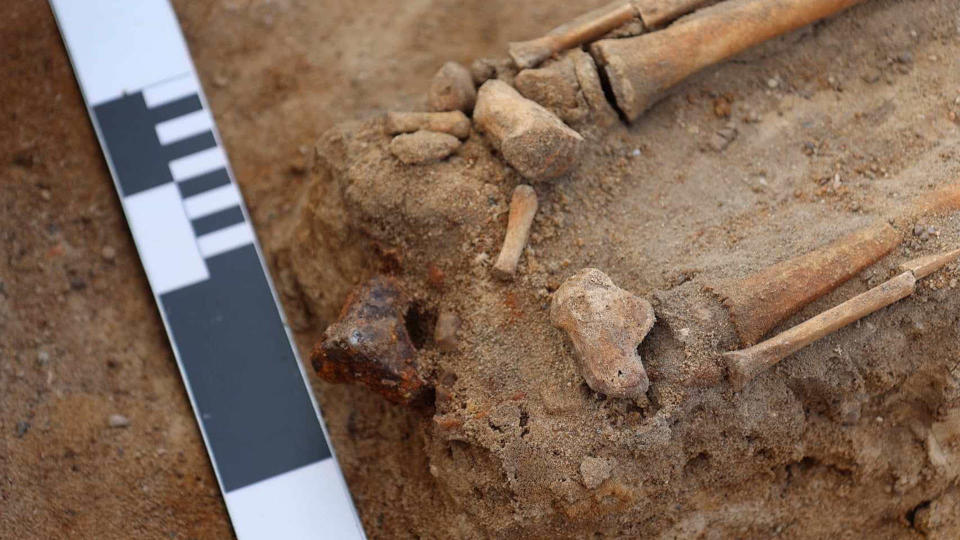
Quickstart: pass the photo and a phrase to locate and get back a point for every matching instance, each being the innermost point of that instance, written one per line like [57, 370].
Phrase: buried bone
[641, 69]
[369, 344]
[570, 88]
[583, 29]
[451, 122]
[452, 89]
[532, 139]
[423, 146]
[744, 365]
[523, 207]
[766, 298]
[597, 23]
[606, 325]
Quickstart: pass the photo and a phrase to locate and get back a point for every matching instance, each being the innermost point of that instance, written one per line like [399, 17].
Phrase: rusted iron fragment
[370, 345]
[765, 299]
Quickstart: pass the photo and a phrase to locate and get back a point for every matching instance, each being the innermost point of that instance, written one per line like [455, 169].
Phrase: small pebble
[772, 83]
[45, 194]
[423, 146]
[871, 76]
[108, 253]
[118, 421]
[905, 57]
[595, 471]
[43, 357]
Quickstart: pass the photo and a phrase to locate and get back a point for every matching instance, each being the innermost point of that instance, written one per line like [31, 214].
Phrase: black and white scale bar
[262, 429]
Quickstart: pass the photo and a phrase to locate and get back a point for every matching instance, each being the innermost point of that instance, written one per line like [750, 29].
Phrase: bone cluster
[532, 110]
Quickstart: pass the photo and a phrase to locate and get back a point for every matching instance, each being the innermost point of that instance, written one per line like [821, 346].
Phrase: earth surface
[837, 125]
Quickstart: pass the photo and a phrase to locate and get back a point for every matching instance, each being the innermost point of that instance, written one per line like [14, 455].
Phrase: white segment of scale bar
[173, 89]
[211, 201]
[119, 47]
[164, 238]
[225, 239]
[298, 505]
[198, 163]
[184, 126]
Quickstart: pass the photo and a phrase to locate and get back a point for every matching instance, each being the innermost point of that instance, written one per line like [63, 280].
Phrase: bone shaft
[642, 68]
[592, 25]
[657, 13]
[583, 29]
[523, 206]
[763, 300]
[748, 363]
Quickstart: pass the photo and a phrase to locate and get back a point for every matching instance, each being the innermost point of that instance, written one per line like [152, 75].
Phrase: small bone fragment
[451, 122]
[642, 68]
[484, 69]
[606, 325]
[423, 146]
[570, 88]
[369, 344]
[765, 299]
[452, 89]
[746, 364]
[523, 206]
[603, 113]
[583, 29]
[445, 332]
[555, 86]
[533, 140]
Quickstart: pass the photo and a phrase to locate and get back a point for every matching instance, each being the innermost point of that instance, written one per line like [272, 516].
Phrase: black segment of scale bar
[217, 220]
[241, 369]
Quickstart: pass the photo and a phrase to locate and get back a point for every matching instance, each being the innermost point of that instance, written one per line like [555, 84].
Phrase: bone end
[532, 140]
[528, 54]
[741, 368]
[924, 266]
[523, 207]
[606, 324]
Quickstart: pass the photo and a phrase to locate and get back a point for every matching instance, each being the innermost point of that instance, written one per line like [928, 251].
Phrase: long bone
[641, 69]
[761, 301]
[594, 24]
[746, 364]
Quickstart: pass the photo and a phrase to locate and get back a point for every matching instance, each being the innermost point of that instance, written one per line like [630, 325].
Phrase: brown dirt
[856, 435]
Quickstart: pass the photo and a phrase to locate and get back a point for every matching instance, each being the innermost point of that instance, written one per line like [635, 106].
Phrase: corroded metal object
[370, 345]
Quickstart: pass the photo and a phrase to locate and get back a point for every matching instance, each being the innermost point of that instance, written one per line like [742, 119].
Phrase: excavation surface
[836, 126]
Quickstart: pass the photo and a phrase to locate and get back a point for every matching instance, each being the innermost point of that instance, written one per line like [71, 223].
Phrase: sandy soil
[833, 132]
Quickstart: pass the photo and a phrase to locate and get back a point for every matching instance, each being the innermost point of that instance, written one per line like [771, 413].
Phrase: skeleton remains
[744, 365]
[524, 115]
[606, 325]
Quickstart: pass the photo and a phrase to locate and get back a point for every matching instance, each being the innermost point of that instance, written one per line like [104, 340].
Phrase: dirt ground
[837, 125]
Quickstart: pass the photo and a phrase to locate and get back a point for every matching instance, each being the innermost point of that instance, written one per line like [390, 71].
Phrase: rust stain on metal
[370, 345]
